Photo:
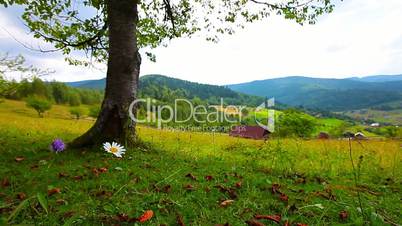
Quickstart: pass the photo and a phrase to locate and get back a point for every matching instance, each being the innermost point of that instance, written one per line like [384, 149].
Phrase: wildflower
[114, 148]
[58, 145]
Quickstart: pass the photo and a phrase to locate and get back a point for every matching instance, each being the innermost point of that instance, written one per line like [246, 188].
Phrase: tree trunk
[113, 122]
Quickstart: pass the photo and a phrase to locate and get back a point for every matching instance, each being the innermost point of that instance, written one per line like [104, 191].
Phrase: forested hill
[167, 89]
[329, 94]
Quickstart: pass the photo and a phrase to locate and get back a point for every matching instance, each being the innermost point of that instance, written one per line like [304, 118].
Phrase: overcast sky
[361, 37]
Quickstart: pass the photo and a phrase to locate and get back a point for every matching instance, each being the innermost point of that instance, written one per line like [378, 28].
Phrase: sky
[360, 38]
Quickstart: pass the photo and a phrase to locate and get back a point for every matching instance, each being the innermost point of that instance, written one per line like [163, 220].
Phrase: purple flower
[58, 145]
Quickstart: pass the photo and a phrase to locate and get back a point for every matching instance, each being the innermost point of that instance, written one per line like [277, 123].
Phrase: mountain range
[166, 89]
[327, 94]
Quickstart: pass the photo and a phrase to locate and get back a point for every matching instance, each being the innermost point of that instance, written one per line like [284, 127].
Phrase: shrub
[41, 105]
[77, 112]
[295, 123]
[94, 111]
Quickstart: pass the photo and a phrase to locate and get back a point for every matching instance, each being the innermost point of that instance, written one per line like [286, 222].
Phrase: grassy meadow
[191, 178]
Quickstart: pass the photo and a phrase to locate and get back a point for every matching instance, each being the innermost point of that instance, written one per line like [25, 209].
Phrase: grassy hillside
[187, 177]
[329, 94]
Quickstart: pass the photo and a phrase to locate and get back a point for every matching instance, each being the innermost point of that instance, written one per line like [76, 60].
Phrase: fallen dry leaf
[283, 197]
[61, 175]
[254, 223]
[146, 216]
[226, 203]
[167, 188]
[180, 220]
[102, 169]
[19, 159]
[189, 187]
[275, 218]
[95, 171]
[275, 188]
[191, 176]
[301, 224]
[78, 177]
[21, 196]
[5, 182]
[33, 167]
[68, 214]
[53, 191]
[103, 193]
[209, 177]
[238, 184]
[122, 217]
[343, 215]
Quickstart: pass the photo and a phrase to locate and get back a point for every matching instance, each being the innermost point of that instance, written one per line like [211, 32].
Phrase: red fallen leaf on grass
[254, 223]
[5, 182]
[78, 177]
[238, 184]
[191, 176]
[226, 203]
[301, 224]
[53, 191]
[275, 218]
[146, 216]
[21, 196]
[19, 159]
[189, 187]
[103, 169]
[284, 197]
[343, 215]
[209, 177]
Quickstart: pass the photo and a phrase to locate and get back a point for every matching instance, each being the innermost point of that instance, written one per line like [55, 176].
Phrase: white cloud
[362, 37]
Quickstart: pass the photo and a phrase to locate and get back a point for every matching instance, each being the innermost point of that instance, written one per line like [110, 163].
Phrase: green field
[187, 177]
[393, 117]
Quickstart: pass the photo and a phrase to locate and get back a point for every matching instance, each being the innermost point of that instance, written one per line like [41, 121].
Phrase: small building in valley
[323, 136]
[360, 136]
[252, 132]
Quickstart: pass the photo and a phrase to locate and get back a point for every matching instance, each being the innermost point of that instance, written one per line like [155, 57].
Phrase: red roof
[253, 132]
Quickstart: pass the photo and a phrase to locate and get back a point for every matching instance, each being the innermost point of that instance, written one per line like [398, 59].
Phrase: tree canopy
[83, 24]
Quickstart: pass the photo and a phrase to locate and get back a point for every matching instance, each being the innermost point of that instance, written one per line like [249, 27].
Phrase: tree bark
[113, 122]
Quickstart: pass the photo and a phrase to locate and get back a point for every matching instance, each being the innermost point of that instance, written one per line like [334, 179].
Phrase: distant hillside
[378, 78]
[328, 94]
[166, 88]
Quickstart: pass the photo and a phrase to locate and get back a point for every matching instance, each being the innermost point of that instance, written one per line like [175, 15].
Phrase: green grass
[312, 173]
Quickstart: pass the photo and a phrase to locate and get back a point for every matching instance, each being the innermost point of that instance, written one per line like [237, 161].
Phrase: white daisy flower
[114, 148]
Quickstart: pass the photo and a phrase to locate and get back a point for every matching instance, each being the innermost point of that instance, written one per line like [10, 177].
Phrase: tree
[293, 123]
[118, 28]
[40, 104]
[15, 64]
